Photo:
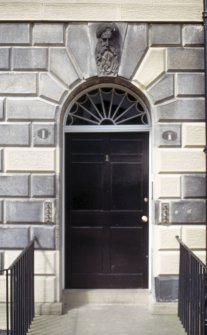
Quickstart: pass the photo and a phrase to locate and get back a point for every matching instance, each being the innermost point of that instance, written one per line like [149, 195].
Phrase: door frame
[108, 129]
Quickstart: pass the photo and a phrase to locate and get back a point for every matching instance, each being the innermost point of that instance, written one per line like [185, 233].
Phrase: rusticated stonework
[107, 51]
[52, 62]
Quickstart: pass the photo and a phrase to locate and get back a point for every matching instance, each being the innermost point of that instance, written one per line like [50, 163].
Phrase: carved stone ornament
[107, 51]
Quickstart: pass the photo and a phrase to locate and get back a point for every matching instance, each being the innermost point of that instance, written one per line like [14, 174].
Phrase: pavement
[106, 312]
[107, 319]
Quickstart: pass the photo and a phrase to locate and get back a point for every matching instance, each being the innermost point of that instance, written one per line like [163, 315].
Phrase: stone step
[107, 319]
[81, 297]
[105, 296]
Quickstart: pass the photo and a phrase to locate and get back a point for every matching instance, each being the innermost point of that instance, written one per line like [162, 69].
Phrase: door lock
[145, 218]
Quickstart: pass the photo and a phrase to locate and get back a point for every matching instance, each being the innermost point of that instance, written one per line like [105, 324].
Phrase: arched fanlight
[107, 105]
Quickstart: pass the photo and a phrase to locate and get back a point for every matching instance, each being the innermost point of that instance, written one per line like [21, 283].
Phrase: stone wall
[40, 66]
[116, 10]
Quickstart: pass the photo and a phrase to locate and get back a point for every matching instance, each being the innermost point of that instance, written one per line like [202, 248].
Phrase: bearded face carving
[107, 50]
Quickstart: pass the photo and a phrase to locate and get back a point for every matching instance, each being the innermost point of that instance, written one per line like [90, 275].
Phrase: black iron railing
[192, 292]
[20, 292]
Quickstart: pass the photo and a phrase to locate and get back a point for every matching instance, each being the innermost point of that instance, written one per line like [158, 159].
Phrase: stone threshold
[80, 297]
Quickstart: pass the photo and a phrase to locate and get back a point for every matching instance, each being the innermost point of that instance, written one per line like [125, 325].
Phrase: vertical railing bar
[16, 309]
[191, 323]
[7, 302]
[32, 284]
[196, 276]
[23, 326]
[204, 297]
[203, 291]
[189, 296]
[19, 297]
[200, 285]
[26, 288]
[12, 301]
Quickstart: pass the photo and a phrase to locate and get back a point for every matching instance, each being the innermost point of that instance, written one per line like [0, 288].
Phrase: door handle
[144, 218]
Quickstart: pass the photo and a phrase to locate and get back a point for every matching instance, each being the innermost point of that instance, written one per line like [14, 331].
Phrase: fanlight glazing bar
[107, 106]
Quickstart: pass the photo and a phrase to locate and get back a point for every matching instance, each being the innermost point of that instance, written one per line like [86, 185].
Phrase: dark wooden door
[106, 195]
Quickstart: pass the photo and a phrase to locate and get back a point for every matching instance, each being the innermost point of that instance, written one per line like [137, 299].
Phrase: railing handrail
[21, 254]
[191, 252]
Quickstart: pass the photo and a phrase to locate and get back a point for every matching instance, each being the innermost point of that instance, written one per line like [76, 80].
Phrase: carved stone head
[107, 49]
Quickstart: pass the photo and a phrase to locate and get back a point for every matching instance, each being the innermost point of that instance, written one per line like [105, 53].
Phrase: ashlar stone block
[167, 186]
[182, 109]
[45, 262]
[135, 46]
[13, 134]
[168, 263]
[193, 34]
[29, 58]
[194, 134]
[152, 66]
[1, 262]
[45, 289]
[18, 83]
[24, 211]
[45, 237]
[14, 33]
[185, 59]
[1, 160]
[201, 255]
[1, 108]
[168, 135]
[10, 256]
[14, 185]
[1, 211]
[62, 67]
[30, 109]
[43, 134]
[44, 33]
[43, 185]
[31, 159]
[3, 292]
[194, 186]
[190, 84]
[13, 238]
[182, 160]
[166, 288]
[187, 211]
[165, 237]
[51, 88]
[165, 34]
[4, 58]
[79, 45]
[163, 89]
[194, 236]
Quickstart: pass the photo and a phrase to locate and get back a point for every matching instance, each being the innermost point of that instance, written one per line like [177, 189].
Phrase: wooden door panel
[87, 186]
[125, 245]
[86, 244]
[106, 183]
[126, 179]
[106, 218]
[102, 280]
